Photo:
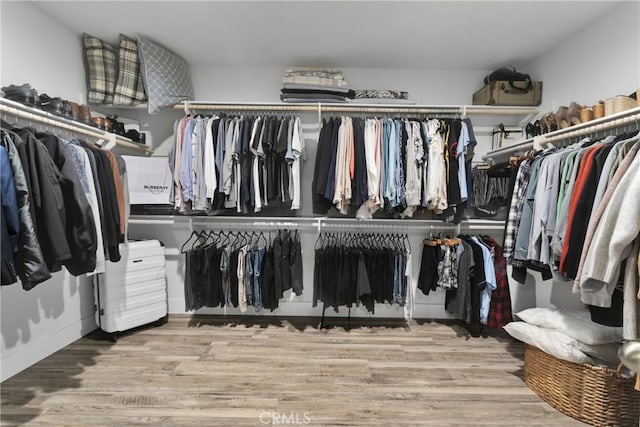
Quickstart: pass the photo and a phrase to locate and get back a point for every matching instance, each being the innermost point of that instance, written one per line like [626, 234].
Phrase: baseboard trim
[33, 352]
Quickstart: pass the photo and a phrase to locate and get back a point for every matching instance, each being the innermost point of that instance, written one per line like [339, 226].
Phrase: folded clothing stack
[382, 96]
[314, 85]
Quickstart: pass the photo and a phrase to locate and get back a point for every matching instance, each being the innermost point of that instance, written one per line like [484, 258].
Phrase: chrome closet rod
[314, 223]
[612, 123]
[353, 107]
[49, 121]
[248, 107]
[226, 222]
[462, 110]
[31, 114]
[522, 146]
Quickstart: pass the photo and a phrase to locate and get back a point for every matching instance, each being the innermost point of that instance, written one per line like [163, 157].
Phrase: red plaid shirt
[500, 307]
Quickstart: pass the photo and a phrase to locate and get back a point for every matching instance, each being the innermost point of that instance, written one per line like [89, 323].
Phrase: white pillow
[550, 341]
[605, 352]
[573, 324]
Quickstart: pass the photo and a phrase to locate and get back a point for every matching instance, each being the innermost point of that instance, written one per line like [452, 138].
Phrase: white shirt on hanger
[298, 148]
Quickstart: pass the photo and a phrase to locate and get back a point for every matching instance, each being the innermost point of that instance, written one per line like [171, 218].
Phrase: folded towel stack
[314, 85]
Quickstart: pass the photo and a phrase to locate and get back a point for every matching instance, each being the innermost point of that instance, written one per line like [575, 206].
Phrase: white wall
[39, 322]
[38, 50]
[598, 62]
[263, 84]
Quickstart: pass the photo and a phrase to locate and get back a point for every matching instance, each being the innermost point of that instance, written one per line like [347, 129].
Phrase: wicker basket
[592, 394]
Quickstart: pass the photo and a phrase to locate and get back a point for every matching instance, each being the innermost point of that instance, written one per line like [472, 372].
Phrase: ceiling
[476, 35]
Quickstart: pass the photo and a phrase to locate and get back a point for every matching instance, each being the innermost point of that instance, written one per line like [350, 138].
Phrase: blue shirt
[9, 200]
[399, 182]
[490, 277]
[388, 162]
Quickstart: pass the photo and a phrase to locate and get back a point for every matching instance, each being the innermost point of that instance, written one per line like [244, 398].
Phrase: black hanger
[200, 238]
[193, 233]
[405, 239]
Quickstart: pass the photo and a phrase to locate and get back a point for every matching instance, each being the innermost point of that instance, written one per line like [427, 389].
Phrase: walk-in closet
[230, 213]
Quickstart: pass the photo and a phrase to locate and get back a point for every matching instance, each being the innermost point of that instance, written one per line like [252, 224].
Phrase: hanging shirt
[524, 229]
[500, 306]
[220, 153]
[383, 128]
[614, 239]
[186, 164]
[412, 288]
[177, 193]
[463, 143]
[549, 218]
[242, 296]
[490, 277]
[209, 165]
[299, 150]
[257, 154]
[199, 176]
[372, 154]
[400, 176]
[371, 150]
[342, 195]
[515, 209]
[581, 205]
[392, 163]
[540, 206]
[561, 222]
[227, 167]
[330, 187]
[436, 178]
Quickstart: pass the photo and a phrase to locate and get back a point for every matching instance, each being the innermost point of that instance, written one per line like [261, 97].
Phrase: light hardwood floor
[208, 371]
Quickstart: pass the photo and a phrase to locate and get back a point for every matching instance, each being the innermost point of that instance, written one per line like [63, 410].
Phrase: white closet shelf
[120, 107]
[592, 127]
[314, 223]
[105, 139]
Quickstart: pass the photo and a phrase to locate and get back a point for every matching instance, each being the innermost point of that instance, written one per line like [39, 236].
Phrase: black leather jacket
[30, 263]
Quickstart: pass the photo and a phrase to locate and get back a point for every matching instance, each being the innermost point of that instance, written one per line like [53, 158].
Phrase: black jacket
[29, 260]
[80, 227]
[47, 202]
